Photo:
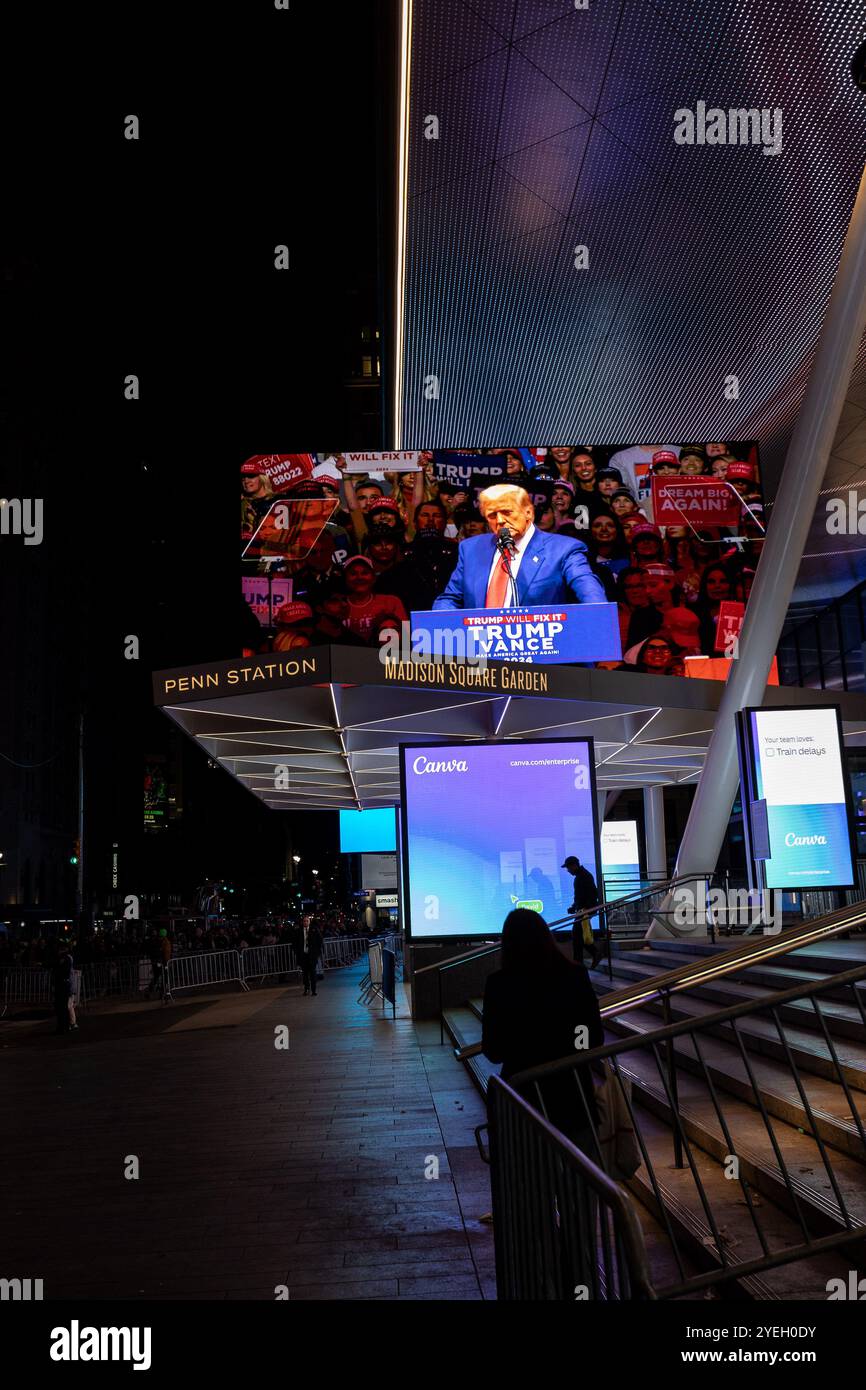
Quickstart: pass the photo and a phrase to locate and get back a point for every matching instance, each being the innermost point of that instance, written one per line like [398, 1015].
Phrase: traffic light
[76, 852]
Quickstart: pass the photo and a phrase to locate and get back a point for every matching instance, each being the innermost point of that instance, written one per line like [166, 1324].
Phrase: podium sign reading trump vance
[566, 632]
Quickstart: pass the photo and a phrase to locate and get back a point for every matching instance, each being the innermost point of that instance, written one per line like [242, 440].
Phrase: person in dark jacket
[64, 1014]
[585, 895]
[538, 1008]
[308, 949]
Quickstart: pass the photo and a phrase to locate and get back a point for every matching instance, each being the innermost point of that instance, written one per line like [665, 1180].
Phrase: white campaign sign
[400, 462]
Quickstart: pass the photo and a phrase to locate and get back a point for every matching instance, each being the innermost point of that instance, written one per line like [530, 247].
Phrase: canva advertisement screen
[487, 827]
[799, 771]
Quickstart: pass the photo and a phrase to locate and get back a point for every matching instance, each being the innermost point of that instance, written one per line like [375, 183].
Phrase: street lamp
[297, 858]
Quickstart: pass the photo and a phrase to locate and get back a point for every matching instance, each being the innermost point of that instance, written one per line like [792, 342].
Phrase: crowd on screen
[392, 541]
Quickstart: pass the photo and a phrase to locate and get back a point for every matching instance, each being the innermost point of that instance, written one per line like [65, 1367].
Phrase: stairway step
[807, 1278]
[776, 1084]
[463, 1026]
[747, 1135]
[843, 1020]
[802, 1032]
[644, 965]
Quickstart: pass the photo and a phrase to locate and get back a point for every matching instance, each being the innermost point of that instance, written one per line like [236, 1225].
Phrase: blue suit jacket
[553, 569]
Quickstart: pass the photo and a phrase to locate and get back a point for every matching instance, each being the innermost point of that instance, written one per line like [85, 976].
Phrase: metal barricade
[342, 950]
[259, 961]
[121, 976]
[206, 968]
[32, 984]
[371, 984]
[334, 953]
[27, 984]
[563, 1228]
[394, 942]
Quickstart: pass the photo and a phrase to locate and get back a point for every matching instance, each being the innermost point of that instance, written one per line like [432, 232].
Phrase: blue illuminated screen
[368, 832]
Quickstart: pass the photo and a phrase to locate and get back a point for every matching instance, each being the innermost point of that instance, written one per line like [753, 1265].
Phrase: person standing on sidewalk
[308, 949]
[160, 955]
[64, 1009]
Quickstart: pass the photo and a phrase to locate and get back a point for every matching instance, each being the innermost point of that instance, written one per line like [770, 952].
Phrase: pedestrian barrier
[120, 976]
[206, 968]
[259, 961]
[132, 976]
[394, 942]
[27, 984]
[342, 950]
[371, 984]
[31, 984]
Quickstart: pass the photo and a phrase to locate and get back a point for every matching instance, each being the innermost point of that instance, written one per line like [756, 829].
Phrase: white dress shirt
[515, 556]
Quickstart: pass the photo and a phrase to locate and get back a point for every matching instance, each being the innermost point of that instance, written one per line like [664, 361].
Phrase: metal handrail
[768, 1172]
[563, 923]
[775, 1000]
[728, 962]
[716, 967]
[475, 954]
[611, 1260]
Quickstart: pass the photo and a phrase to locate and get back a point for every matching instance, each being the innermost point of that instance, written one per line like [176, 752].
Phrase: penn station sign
[271, 672]
[310, 666]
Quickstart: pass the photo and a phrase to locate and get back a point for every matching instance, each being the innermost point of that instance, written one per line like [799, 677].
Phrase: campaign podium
[567, 632]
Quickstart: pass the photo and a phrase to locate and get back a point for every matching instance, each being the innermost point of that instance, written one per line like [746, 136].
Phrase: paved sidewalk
[257, 1167]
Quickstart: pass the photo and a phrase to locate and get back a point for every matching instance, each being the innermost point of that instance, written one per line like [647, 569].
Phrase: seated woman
[659, 655]
[533, 1008]
[607, 545]
[715, 589]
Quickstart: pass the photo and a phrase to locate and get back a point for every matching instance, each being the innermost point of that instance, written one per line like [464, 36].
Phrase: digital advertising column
[796, 796]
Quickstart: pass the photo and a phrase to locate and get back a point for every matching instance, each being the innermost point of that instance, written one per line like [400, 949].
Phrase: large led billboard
[797, 793]
[486, 827]
[672, 532]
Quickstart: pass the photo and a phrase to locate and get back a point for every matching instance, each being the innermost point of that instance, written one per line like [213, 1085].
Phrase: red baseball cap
[665, 456]
[383, 504]
[358, 560]
[646, 528]
[296, 612]
[741, 470]
[250, 470]
[306, 487]
[328, 475]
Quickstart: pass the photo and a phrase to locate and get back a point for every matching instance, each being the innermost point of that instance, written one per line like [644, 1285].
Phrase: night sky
[155, 257]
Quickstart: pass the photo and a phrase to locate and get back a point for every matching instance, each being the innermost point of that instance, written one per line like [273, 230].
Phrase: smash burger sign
[700, 501]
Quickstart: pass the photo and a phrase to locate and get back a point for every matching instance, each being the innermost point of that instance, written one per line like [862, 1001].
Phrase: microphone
[505, 540]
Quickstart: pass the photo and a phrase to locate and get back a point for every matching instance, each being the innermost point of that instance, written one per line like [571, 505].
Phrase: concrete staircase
[749, 1066]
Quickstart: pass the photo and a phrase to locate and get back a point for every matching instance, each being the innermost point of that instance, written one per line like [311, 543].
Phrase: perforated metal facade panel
[556, 130]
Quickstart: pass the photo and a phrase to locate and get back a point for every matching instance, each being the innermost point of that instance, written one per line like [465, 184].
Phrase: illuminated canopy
[319, 728]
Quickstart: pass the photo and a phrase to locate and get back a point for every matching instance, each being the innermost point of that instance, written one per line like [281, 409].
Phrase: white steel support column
[793, 510]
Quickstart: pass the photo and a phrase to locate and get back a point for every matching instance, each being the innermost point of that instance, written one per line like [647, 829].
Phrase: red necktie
[497, 586]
